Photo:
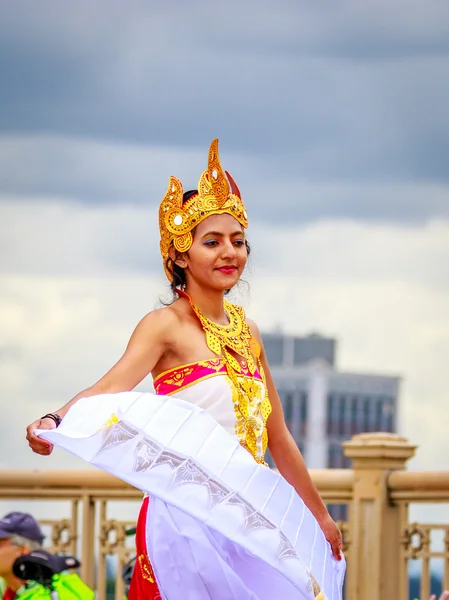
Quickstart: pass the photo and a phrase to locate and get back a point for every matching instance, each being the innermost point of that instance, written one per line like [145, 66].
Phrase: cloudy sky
[333, 119]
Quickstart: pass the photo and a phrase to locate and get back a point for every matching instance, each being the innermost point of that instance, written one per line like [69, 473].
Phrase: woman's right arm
[145, 348]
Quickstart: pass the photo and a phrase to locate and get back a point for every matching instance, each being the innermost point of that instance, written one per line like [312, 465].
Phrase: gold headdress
[217, 194]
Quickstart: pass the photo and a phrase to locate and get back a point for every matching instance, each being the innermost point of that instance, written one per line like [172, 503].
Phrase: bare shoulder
[160, 317]
[167, 320]
[160, 323]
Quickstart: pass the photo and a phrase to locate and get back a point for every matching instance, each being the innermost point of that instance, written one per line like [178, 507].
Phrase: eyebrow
[219, 234]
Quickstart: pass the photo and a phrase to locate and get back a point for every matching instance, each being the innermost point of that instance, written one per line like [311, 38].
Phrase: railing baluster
[74, 531]
[425, 571]
[102, 553]
[88, 541]
[119, 585]
[446, 559]
[403, 564]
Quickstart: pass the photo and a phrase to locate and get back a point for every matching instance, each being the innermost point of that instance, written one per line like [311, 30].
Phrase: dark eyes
[213, 243]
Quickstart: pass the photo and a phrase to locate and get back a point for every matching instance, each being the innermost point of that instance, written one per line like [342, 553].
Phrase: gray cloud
[54, 239]
[332, 92]
[66, 170]
[60, 241]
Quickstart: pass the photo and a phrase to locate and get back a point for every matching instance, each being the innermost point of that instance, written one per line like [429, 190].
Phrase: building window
[288, 411]
[366, 414]
[389, 411]
[303, 405]
[314, 346]
[303, 414]
[354, 415]
[341, 415]
[335, 455]
[274, 349]
[288, 407]
[335, 414]
[339, 512]
[329, 407]
[379, 414]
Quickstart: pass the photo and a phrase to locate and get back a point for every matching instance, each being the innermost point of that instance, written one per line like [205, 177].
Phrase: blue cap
[19, 523]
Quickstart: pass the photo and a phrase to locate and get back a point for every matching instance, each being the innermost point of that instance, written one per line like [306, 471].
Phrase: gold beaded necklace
[236, 337]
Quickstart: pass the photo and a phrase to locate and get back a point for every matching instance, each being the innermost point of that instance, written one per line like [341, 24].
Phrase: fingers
[38, 444]
[336, 550]
[333, 536]
[336, 547]
[43, 451]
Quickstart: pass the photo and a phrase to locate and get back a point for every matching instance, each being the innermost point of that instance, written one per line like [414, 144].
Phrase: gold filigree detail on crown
[217, 194]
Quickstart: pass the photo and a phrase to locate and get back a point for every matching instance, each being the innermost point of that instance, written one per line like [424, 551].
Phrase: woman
[215, 523]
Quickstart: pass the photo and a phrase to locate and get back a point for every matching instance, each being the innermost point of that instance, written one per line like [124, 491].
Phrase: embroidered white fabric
[215, 516]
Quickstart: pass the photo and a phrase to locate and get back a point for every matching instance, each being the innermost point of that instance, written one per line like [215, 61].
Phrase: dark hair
[178, 274]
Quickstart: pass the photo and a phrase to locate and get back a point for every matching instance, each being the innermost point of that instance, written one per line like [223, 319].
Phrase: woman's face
[218, 254]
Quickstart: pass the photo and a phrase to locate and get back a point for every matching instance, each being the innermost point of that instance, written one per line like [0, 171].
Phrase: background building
[322, 406]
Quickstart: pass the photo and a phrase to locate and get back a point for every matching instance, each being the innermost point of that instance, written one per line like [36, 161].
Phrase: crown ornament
[217, 194]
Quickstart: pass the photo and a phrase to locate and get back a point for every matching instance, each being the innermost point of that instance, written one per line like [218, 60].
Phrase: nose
[229, 250]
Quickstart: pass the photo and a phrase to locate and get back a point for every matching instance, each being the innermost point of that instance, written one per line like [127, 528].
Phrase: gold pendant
[233, 362]
[235, 337]
[213, 343]
[243, 406]
[251, 364]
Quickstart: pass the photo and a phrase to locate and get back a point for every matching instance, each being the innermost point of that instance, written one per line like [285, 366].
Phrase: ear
[177, 258]
[22, 550]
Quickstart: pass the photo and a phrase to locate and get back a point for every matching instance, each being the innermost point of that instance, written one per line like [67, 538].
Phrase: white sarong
[219, 525]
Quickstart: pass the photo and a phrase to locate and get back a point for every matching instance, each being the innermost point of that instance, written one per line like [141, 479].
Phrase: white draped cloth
[219, 525]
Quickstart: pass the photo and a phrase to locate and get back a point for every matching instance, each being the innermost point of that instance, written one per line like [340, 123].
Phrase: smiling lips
[228, 270]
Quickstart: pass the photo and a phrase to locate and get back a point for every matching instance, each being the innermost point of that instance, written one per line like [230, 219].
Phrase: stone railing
[380, 541]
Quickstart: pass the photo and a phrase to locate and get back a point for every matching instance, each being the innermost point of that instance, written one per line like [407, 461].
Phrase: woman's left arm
[289, 460]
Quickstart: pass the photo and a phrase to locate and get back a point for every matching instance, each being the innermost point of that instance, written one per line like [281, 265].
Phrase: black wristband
[55, 417]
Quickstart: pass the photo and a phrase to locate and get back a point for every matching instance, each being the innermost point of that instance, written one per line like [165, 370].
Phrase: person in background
[19, 534]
